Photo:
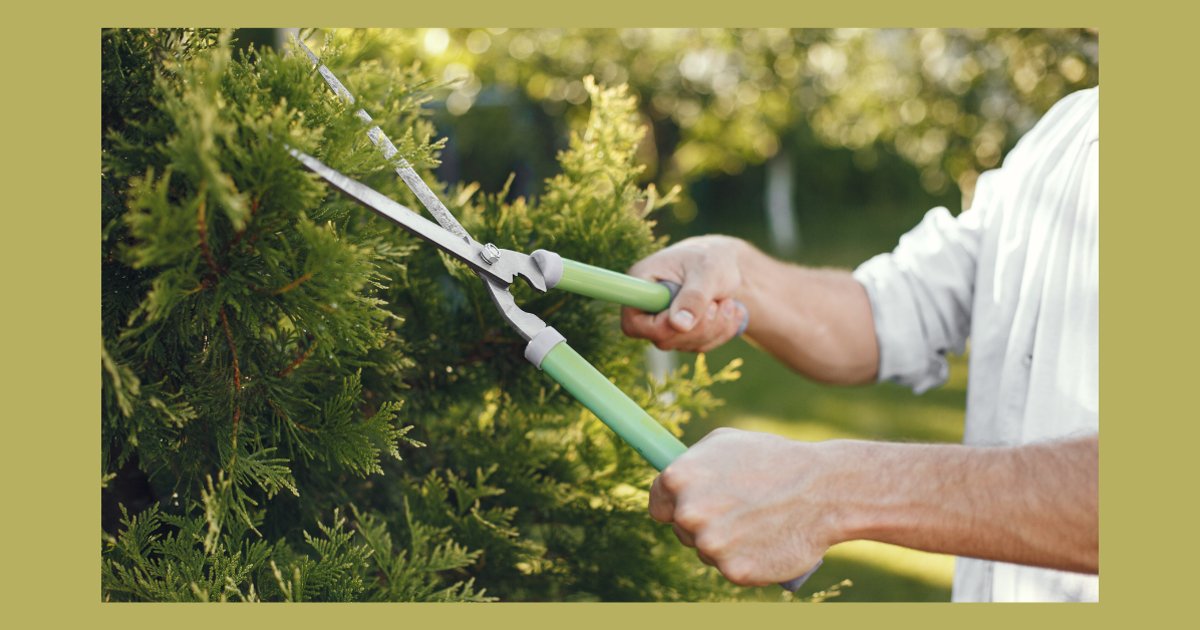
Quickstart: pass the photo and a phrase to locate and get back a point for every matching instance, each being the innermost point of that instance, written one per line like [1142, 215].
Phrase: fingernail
[727, 309]
[683, 320]
[712, 311]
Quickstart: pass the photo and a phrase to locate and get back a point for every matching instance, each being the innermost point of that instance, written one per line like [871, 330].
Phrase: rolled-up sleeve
[921, 295]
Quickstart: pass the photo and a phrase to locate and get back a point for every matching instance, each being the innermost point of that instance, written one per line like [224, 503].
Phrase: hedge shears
[543, 270]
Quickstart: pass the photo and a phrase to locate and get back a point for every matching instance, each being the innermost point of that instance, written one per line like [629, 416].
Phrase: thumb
[693, 300]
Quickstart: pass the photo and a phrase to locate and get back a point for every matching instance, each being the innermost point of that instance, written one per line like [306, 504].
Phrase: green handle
[649, 438]
[610, 286]
[628, 420]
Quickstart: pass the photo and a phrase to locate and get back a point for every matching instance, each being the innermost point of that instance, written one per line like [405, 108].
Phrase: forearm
[1035, 504]
[816, 321]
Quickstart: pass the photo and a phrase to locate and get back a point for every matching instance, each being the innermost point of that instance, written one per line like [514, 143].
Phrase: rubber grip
[603, 284]
[610, 286]
[625, 417]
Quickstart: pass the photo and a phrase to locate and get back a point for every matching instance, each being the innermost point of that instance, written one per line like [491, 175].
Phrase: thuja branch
[202, 228]
[301, 358]
[237, 238]
[237, 380]
[287, 418]
[293, 284]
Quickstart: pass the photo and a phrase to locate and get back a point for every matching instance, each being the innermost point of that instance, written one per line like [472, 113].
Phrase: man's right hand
[817, 321]
[706, 312]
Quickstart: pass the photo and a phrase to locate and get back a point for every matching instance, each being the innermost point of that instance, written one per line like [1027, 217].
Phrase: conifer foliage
[303, 403]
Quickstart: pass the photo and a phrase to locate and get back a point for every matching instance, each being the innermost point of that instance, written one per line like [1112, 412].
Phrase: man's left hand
[753, 505]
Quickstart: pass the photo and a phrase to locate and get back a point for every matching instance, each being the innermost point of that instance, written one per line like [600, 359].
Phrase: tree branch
[202, 228]
[298, 360]
[293, 284]
[237, 381]
[237, 238]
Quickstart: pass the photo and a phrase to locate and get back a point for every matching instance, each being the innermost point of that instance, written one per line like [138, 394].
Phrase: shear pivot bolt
[490, 254]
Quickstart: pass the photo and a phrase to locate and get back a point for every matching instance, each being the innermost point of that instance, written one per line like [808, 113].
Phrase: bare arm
[817, 321]
[780, 504]
[765, 509]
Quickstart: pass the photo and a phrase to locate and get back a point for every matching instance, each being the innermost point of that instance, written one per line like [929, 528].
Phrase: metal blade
[381, 140]
[465, 249]
[525, 323]
[504, 264]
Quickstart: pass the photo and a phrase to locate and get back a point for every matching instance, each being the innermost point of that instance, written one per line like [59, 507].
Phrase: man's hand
[817, 321]
[705, 313]
[764, 509]
[749, 503]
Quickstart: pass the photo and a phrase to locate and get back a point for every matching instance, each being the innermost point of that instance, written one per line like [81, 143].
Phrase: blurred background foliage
[721, 101]
[821, 146]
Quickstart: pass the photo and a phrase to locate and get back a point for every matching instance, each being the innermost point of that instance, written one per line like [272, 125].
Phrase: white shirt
[1017, 273]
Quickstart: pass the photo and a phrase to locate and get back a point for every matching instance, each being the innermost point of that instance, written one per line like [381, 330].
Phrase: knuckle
[671, 480]
[689, 518]
[659, 504]
[680, 347]
[644, 267]
[686, 343]
[706, 334]
[738, 571]
[685, 538]
[693, 297]
[725, 330]
[712, 543]
[722, 431]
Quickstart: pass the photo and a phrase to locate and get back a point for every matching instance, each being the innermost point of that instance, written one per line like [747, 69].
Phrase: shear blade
[503, 269]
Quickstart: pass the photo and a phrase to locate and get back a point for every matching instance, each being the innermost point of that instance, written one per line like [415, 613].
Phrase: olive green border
[51, 107]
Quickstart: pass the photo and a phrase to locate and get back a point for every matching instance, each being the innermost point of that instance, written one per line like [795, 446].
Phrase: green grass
[771, 398]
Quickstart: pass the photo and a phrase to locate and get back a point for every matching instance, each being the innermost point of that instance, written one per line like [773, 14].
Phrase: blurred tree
[949, 101]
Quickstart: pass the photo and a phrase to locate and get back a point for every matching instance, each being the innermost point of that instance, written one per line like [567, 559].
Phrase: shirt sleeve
[921, 292]
[921, 295]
